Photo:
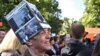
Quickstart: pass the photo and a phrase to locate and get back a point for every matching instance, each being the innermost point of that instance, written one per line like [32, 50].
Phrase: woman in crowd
[10, 46]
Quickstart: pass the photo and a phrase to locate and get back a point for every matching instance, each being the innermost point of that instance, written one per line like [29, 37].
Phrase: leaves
[65, 26]
[91, 16]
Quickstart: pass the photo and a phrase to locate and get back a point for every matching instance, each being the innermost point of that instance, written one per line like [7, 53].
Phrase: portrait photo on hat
[26, 21]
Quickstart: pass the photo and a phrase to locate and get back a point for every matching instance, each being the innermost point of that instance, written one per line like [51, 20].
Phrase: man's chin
[48, 47]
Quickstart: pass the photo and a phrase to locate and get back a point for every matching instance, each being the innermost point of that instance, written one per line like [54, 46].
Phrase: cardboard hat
[26, 21]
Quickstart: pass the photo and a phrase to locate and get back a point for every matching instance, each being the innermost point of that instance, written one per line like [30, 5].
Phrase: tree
[56, 24]
[5, 7]
[91, 16]
[66, 26]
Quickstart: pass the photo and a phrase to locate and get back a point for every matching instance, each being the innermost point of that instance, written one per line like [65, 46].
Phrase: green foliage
[91, 16]
[66, 26]
[56, 24]
[5, 7]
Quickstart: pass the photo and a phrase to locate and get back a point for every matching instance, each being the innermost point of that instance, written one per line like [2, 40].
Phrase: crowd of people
[44, 44]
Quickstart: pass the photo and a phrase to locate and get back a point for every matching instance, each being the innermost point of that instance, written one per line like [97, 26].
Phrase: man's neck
[77, 39]
[36, 52]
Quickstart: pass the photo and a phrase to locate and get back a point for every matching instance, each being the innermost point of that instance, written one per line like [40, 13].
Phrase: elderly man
[39, 44]
[35, 33]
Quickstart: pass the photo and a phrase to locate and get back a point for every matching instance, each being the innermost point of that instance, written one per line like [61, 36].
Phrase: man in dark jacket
[74, 46]
[96, 51]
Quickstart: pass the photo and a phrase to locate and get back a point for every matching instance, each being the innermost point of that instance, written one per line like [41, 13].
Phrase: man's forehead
[46, 29]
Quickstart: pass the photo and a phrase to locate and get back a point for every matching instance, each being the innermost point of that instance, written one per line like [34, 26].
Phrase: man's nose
[48, 36]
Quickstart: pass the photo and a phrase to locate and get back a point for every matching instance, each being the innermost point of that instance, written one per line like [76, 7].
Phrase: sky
[72, 8]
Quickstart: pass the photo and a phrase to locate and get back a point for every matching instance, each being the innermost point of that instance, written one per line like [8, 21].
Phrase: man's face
[42, 40]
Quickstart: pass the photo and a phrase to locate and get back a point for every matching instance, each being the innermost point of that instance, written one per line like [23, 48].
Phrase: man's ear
[29, 43]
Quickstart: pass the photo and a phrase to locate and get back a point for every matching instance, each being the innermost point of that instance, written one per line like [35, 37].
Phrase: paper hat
[26, 21]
